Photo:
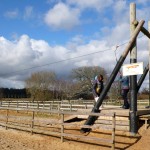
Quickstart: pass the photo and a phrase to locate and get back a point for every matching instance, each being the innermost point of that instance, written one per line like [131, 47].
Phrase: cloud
[20, 58]
[117, 34]
[142, 2]
[28, 13]
[61, 16]
[12, 14]
[25, 55]
[9, 83]
[98, 5]
[143, 14]
[52, 1]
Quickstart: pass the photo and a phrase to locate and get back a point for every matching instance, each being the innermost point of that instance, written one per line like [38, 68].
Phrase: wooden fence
[68, 105]
[9, 118]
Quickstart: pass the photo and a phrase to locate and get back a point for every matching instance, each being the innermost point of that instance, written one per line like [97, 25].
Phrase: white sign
[133, 69]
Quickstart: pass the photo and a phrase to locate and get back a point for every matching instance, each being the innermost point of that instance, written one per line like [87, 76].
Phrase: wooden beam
[145, 31]
[143, 112]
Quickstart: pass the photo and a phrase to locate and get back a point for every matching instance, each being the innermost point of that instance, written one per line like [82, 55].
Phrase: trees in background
[13, 93]
[83, 77]
[144, 94]
[46, 85]
[40, 84]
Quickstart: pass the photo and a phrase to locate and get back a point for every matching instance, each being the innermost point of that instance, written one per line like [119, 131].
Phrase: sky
[59, 35]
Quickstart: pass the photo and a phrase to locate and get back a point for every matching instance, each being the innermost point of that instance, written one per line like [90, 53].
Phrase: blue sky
[38, 32]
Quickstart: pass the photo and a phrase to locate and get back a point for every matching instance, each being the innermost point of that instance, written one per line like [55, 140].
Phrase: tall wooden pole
[133, 78]
[149, 60]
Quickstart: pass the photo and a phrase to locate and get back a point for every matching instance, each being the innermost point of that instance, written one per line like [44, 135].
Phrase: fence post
[70, 107]
[27, 107]
[17, 106]
[32, 122]
[43, 106]
[113, 130]
[58, 108]
[37, 104]
[62, 127]
[7, 113]
[50, 107]
[85, 106]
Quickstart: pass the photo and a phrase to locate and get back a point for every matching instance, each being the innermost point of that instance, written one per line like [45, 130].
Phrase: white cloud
[143, 2]
[143, 14]
[17, 57]
[28, 13]
[9, 83]
[99, 5]
[121, 12]
[12, 14]
[62, 16]
[24, 52]
[117, 34]
[52, 1]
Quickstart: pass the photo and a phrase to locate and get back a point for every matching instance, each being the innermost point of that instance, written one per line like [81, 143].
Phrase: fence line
[72, 105]
[29, 123]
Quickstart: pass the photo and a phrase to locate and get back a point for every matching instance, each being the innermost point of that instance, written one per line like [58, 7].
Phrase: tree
[83, 76]
[40, 84]
[145, 91]
[115, 92]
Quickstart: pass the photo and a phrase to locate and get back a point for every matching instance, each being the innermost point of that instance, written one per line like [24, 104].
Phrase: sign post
[133, 78]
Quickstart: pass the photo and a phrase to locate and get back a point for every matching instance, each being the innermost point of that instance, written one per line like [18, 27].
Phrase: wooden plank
[87, 138]
[143, 112]
[33, 130]
[60, 112]
[95, 126]
[145, 116]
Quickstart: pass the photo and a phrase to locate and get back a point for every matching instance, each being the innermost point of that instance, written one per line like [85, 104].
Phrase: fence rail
[68, 105]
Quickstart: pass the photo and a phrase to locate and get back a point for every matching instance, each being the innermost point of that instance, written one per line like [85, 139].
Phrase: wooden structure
[10, 118]
[135, 29]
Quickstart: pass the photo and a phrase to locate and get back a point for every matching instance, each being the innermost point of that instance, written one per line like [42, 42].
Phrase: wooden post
[113, 130]
[50, 107]
[133, 78]
[149, 60]
[32, 122]
[62, 127]
[43, 106]
[17, 106]
[7, 114]
[70, 107]
[85, 106]
[27, 107]
[58, 108]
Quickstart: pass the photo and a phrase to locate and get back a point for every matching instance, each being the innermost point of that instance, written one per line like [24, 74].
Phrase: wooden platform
[120, 113]
[122, 116]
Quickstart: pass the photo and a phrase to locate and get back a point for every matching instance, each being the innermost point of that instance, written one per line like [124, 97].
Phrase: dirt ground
[20, 140]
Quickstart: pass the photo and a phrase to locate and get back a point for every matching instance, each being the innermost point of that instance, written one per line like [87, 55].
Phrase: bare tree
[40, 84]
[84, 75]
